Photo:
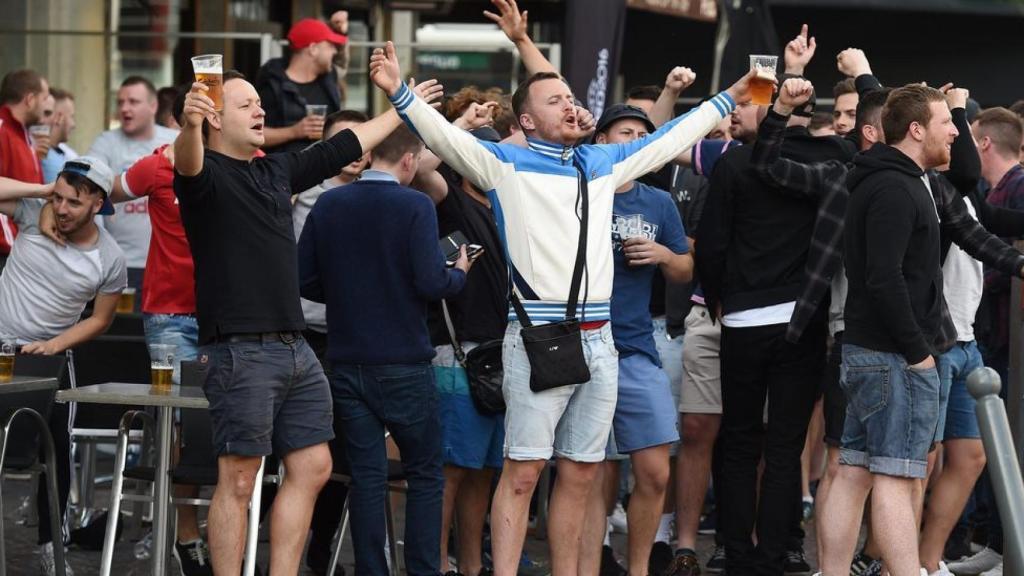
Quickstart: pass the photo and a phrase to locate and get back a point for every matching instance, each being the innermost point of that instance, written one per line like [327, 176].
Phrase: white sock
[608, 533]
[809, 499]
[664, 529]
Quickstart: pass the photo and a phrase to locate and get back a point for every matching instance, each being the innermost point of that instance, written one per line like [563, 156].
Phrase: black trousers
[758, 364]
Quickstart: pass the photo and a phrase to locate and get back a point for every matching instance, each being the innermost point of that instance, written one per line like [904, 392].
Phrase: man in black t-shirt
[306, 77]
[266, 389]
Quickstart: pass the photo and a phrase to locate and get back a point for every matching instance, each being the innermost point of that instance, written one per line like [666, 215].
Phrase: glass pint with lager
[209, 70]
[6, 360]
[126, 301]
[763, 83]
[161, 366]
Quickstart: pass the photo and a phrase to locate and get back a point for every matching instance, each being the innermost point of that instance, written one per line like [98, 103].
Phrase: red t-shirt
[18, 161]
[170, 281]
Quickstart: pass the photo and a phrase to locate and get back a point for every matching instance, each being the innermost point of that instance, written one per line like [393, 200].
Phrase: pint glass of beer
[126, 301]
[318, 110]
[6, 360]
[161, 365]
[762, 85]
[209, 69]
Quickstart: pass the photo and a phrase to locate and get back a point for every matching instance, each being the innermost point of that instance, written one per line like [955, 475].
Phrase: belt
[287, 337]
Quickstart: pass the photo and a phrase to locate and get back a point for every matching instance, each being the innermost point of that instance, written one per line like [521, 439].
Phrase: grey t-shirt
[315, 313]
[44, 287]
[130, 224]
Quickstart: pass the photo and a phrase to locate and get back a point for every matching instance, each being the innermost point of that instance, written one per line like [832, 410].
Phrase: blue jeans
[175, 329]
[402, 398]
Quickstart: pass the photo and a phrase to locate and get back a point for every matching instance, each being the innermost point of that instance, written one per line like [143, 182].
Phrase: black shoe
[318, 556]
[683, 565]
[193, 559]
[796, 563]
[716, 564]
[610, 565]
[660, 558]
[861, 563]
[707, 523]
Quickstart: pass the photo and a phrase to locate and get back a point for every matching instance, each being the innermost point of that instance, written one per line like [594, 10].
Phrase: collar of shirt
[371, 174]
[1010, 174]
[556, 151]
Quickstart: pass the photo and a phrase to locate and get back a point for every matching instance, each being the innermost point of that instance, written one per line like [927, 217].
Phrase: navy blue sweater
[370, 251]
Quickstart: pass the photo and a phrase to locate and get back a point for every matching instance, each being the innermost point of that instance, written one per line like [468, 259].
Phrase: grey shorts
[269, 396]
[701, 390]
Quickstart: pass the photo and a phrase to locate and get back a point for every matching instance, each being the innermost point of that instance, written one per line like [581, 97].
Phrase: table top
[28, 384]
[136, 395]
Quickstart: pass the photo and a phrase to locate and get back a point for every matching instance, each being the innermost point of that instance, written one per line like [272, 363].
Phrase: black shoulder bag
[483, 367]
[555, 350]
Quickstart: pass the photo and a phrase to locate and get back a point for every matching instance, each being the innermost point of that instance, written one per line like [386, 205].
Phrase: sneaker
[609, 564]
[682, 565]
[796, 563]
[987, 559]
[957, 545]
[47, 564]
[193, 558]
[942, 571]
[808, 510]
[618, 519]
[860, 564]
[707, 524]
[997, 571]
[874, 569]
[660, 558]
[716, 564]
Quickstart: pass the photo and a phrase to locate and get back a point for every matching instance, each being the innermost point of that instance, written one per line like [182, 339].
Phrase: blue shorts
[470, 439]
[645, 414]
[892, 412]
[959, 420]
[179, 330]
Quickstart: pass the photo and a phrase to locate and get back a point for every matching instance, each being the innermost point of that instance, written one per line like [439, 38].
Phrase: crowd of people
[770, 301]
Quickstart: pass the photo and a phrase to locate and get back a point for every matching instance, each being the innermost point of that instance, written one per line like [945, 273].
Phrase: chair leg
[3, 551]
[249, 567]
[85, 489]
[339, 537]
[116, 489]
[390, 523]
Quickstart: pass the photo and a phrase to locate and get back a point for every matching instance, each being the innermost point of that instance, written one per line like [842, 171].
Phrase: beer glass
[209, 69]
[126, 301]
[319, 110]
[39, 129]
[763, 83]
[161, 365]
[7, 347]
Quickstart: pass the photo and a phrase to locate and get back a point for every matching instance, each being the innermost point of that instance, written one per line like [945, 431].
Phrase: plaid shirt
[826, 183]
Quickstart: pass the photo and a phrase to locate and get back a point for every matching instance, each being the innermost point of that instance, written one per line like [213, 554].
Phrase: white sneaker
[47, 565]
[942, 571]
[618, 519]
[997, 571]
[987, 559]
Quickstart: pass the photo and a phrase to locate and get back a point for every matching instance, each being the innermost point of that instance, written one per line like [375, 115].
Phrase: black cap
[486, 133]
[622, 111]
[807, 109]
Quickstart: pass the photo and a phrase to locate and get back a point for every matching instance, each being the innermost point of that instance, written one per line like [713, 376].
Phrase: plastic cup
[209, 70]
[316, 110]
[39, 129]
[762, 85]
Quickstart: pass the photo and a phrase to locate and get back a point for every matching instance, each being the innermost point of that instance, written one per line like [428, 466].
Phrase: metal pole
[1003, 465]
[161, 492]
[1015, 372]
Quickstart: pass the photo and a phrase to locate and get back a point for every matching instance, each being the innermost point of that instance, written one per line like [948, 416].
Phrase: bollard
[1003, 467]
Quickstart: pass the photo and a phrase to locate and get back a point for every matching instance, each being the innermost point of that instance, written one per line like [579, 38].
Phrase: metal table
[165, 401]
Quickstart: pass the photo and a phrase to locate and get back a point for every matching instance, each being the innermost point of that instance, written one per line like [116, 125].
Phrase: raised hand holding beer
[209, 70]
[763, 83]
[198, 106]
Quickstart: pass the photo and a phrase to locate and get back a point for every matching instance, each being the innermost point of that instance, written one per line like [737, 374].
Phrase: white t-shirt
[962, 281]
[44, 286]
[766, 316]
[130, 223]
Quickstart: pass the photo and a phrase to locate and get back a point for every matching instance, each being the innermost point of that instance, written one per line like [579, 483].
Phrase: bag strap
[456, 346]
[581, 256]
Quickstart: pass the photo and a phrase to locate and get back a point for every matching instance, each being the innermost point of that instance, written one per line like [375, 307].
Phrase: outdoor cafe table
[165, 400]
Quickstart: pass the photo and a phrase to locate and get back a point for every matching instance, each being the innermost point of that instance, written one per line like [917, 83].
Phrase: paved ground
[21, 543]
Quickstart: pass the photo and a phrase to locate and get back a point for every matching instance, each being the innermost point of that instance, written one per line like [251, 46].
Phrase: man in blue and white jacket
[534, 193]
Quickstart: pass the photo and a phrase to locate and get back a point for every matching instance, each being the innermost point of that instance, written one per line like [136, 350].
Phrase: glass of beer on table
[763, 83]
[126, 301]
[7, 347]
[161, 365]
[209, 69]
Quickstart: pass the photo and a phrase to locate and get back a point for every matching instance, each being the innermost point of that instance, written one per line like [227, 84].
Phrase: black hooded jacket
[892, 253]
[284, 104]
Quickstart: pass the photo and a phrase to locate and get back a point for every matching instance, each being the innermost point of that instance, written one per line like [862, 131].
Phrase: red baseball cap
[310, 31]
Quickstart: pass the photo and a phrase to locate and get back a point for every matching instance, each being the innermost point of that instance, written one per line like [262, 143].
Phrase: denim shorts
[180, 330]
[959, 420]
[266, 397]
[570, 422]
[645, 415]
[892, 412]
[470, 439]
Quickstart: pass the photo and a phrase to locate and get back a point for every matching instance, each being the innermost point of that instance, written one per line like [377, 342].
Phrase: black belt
[288, 337]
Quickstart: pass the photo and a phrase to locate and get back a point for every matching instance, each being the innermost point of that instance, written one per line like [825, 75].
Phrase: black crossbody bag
[483, 367]
[555, 350]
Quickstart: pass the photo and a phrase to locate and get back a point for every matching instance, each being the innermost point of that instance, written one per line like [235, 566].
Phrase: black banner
[750, 30]
[594, 30]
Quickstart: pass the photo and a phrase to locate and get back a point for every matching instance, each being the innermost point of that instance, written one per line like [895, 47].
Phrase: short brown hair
[333, 118]
[457, 103]
[136, 80]
[60, 94]
[907, 105]
[1003, 128]
[504, 118]
[644, 92]
[1018, 108]
[846, 86]
[522, 93]
[399, 143]
[18, 84]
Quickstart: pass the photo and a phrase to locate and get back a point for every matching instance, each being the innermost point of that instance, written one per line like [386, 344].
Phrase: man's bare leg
[842, 513]
[651, 470]
[595, 524]
[453, 476]
[693, 470]
[964, 461]
[307, 470]
[892, 511]
[236, 476]
[471, 507]
[831, 469]
[568, 508]
[188, 520]
[510, 512]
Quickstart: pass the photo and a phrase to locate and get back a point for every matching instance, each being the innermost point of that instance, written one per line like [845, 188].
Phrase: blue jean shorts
[570, 422]
[959, 420]
[470, 439]
[892, 412]
[645, 414]
[179, 330]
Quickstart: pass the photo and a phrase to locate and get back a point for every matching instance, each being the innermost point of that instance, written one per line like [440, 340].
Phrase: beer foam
[762, 73]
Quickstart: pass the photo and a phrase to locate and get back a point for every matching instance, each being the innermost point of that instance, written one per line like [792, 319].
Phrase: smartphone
[450, 247]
